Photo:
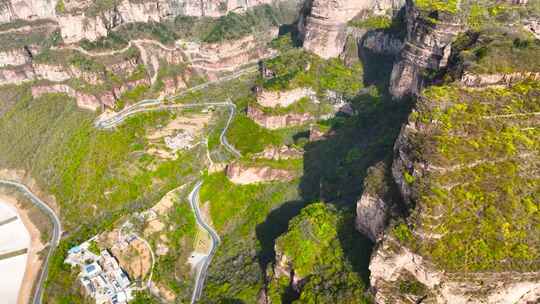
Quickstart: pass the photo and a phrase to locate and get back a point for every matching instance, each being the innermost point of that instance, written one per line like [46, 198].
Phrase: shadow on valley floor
[335, 166]
[275, 225]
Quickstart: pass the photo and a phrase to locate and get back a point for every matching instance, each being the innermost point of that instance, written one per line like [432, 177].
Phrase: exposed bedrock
[243, 174]
[323, 28]
[393, 267]
[382, 43]
[371, 216]
[83, 19]
[280, 153]
[274, 122]
[273, 99]
[427, 47]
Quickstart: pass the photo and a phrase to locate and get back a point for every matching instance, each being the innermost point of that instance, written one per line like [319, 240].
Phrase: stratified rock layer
[242, 174]
[427, 47]
[324, 28]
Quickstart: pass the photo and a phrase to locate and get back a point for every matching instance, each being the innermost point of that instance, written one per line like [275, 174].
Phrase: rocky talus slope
[324, 27]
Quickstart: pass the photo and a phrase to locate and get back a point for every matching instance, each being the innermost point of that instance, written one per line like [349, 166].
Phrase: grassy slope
[239, 214]
[101, 175]
[315, 243]
[491, 208]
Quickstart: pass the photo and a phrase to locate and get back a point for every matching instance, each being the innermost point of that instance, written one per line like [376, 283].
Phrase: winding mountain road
[148, 105]
[55, 239]
[203, 270]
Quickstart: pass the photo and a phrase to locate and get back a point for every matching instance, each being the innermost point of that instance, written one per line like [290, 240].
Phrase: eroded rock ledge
[274, 122]
[242, 174]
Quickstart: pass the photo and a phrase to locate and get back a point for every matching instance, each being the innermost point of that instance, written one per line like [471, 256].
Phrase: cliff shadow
[377, 69]
[356, 247]
[276, 224]
[336, 165]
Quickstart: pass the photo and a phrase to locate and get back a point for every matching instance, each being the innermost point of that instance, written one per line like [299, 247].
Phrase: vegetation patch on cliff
[315, 253]
[297, 68]
[479, 200]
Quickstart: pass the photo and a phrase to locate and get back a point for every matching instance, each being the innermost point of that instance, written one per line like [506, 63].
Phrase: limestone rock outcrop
[324, 27]
[382, 43]
[484, 80]
[83, 19]
[427, 47]
[371, 216]
[393, 265]
[244, 175]
[14, 57]
[280, 153]
[274, 122]
[84, 101]
[273, 99]
[27, 10]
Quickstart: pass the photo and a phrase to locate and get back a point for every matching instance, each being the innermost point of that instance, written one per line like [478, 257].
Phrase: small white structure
[101, 276]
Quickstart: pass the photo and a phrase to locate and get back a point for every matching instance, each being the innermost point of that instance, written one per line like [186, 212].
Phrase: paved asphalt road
[55, 239]
[203, 270]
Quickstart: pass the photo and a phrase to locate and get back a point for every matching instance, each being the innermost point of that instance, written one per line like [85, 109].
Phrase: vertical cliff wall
[427, 47]
[323, 27]
[82, 19]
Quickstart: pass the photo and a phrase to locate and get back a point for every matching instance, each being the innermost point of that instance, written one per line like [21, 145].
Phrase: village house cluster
[101, 276]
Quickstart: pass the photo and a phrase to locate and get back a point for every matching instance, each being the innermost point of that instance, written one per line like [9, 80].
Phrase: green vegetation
[248, 137]
[409, 285]
[94, 248]
[243, 217]
[315, 246]
[489, 198]
[104, 175]
[99, 7]
[233, 26]
[301, 106]
[60, 7]
[229, 27]
[448, 6]
[498, 51]
[309, 235]
[44, 37]
[171, 269]
[297, 68]
[144, 298]
[372, 22]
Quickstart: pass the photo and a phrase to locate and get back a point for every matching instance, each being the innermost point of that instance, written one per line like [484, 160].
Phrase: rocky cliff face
[242, 174]
[324, 27]
[27, 10]
[372, 215]
[427, 47]
[18, 66]
[82, 19]
[274, 122]
[280, 153]
[401, 276]
[501, 79]
[439, 172]
[273, 99]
